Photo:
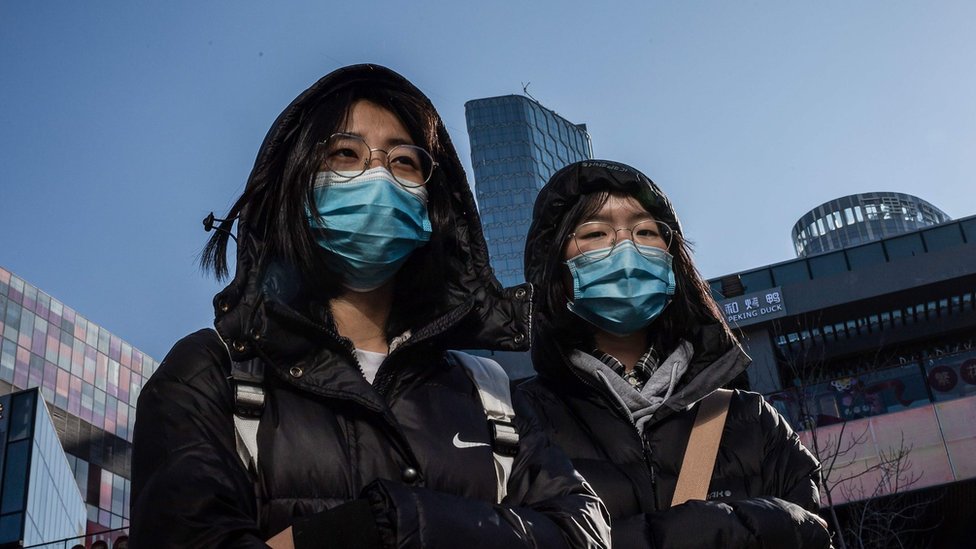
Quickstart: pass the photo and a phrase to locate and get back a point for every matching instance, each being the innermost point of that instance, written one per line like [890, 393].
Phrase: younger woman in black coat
[627, 341]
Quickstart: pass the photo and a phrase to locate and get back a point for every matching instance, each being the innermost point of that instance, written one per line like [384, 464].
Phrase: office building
[861, 218]
[516, 145]
[39, 499]
[875, 340]
[90, 379]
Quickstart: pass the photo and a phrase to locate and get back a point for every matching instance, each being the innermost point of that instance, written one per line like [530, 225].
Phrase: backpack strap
[495, 391]
[247, 382]
[699, 462]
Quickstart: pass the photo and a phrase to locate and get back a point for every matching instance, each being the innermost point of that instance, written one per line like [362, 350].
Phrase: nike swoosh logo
[458, 443]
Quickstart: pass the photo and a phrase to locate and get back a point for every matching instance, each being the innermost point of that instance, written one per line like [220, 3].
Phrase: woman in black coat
[627, 341]
[360, 261]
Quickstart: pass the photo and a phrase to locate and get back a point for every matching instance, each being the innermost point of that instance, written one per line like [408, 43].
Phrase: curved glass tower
[861, 218]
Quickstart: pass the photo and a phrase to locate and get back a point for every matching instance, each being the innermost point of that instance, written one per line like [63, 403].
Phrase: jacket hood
[567, 187]
[563, 191]
[252, 311]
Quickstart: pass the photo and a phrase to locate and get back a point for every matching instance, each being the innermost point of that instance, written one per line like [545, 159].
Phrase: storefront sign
[754, 307]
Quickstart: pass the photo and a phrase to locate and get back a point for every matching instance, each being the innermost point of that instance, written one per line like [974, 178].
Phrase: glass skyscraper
[516, 145]
[90, 379]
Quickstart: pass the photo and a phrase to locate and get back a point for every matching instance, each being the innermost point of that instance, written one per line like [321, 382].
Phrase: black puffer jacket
[327, 437]
[763, 487]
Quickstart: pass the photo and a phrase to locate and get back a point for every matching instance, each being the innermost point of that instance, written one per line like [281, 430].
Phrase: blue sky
[122, 124]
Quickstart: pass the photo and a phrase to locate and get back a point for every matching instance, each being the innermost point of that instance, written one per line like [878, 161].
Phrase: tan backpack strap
[699, 461]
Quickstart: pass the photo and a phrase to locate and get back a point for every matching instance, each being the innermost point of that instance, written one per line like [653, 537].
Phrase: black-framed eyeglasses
[349, 155]
[596, 239]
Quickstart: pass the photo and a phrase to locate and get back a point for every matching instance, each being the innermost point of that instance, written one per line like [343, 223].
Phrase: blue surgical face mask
[624, 291]
[369, 225]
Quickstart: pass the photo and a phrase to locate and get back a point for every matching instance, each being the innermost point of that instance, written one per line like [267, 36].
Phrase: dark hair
[691, 306]
[273, 208]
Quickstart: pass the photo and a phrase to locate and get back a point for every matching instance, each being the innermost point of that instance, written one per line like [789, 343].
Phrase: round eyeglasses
[596, 239]
[348, 156]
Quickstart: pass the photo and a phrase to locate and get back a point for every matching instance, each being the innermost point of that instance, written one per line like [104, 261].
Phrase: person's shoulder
[542, 394]
[535, 387]
[749, 406]
[200, 354]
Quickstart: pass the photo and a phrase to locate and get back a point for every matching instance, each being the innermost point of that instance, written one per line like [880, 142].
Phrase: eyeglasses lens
[595, 239]
[349, 156]
[346, 155]
[410, 165]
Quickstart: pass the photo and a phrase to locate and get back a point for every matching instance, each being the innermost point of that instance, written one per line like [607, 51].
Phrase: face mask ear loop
[208, 225]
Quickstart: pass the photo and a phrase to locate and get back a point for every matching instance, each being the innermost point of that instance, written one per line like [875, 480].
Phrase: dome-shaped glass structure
[860, 218]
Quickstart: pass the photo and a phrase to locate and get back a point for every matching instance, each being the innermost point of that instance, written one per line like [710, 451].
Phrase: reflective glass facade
[516, 145]
[39, 500]
[90, 378]
[861, 218]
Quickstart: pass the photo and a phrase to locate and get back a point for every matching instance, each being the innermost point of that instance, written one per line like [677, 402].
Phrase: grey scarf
[640, 405]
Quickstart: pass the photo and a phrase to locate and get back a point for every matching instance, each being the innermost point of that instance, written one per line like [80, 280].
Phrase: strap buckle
[504, 437]
[247, 379]
[248, 399]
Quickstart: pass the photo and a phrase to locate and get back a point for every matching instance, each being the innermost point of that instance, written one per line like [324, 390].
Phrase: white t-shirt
[370, 362]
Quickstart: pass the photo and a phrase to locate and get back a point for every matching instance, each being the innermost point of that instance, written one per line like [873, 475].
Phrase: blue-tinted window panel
[10, 528]
[863, 256]
[828, 264]
[756, 280]
[909, 245]
[943, 237]
[790, 273]
[15, 477]
[21, 415]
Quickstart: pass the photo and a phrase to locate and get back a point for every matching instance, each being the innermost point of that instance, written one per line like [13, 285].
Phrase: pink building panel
[942, 438]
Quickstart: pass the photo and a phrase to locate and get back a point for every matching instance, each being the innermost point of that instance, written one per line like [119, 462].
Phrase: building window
[897, 318]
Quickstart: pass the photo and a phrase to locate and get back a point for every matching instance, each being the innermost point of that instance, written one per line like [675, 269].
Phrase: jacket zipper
[388, 418]
[645, 451]
[382, 385]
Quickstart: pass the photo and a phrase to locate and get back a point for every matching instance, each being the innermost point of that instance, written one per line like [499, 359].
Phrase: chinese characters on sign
[943, 378]
[754, 307]
[968, 371]
[952, 376]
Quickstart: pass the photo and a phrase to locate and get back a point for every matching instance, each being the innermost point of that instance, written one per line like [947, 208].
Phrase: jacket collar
[712, 366]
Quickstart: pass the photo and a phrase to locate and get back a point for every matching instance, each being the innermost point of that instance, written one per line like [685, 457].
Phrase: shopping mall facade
[90, 380]
[872, 348]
